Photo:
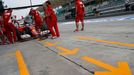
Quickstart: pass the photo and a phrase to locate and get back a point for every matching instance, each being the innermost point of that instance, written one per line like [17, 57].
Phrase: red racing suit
[9, 27]
[37, 19]
[46, 19]
[79, 11]
[52, 22]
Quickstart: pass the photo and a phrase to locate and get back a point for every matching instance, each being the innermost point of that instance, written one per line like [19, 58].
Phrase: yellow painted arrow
[122, 69]
[67, 51]
[51, 44]
[105, 41]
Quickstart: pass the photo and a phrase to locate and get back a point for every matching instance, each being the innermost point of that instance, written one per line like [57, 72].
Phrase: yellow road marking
[51, 44]
[67, 51]
[48, 43]
[122, 69]
[105, 41]
[21, 64]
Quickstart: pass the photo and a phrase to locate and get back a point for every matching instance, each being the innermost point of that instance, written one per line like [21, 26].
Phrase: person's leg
[77, 24]
[18, 34]
[56, 29]
[82, 22]
[9, 36]
[14, 35]
[40, 26]
[3, 40]
[4, 37]
[52, 31]
[37, 28]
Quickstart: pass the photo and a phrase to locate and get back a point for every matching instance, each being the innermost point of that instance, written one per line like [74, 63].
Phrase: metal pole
[31, 3]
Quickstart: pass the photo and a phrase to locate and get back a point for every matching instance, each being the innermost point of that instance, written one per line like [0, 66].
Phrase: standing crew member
[53, 26]
[79, 15]
[37, 19]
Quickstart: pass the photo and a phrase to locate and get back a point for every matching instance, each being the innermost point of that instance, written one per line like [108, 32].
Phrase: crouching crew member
[37, 19]
[9, 27]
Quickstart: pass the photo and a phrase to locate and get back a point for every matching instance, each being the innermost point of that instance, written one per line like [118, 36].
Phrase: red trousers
[38, 26]
[79, 18]
[53, 27]
[14, 35]
[11, 36]
[3, 40]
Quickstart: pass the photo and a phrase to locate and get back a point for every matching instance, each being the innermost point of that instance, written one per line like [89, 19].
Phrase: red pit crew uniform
[9, 27]
[46, 19]
[79, 11]
[53, 26]
[79, 14]
[37, 19]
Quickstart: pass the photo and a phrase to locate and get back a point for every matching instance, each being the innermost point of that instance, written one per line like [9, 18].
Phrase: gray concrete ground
[43, 60]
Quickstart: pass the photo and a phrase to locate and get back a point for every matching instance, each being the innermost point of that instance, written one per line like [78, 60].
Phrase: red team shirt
[79, 11]
[47, 19]
[51, 14]
[37, 17]
[6, 18]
